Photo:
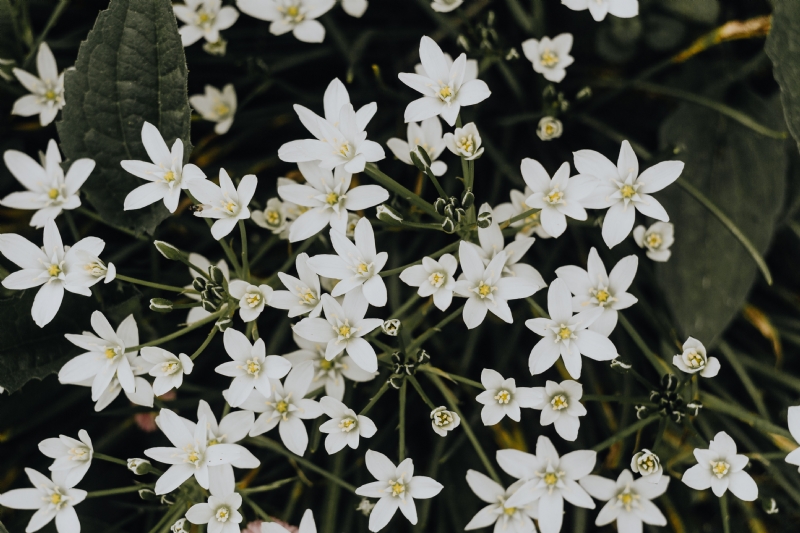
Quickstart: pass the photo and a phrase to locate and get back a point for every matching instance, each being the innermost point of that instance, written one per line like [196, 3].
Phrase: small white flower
[224, 202]
[470, 71]
[167, 368]
[204, 19]
[656, 239]
[355, 8]
[138, 465]
[567, 336]
[623, 190]
[600, 8]
[594, 287]
[648, 465]
[365, 506]
[720, 468]
[397, 488]
[179, 526]
[558, 198]
[694, 359]
[71, 456]
[550, 57]
[274, 217]
[142, 393]
[445, 6]
[560, 405]
[167, 174]
[426, 135]
[528, 225]
[307, 525]
[251, 367]
[345, 426]
[794, 428]
[221, 511]
[296, 16]
[198, 313]
[47, 91]
[444, 420]
[231, 429]
[444, 88]
[628, 501]
[549, 128]
[510, 519]
[391, 327]
[252, 298]
[215, 105]
[51, 498]
[303, 294]
[465, 142]
[502, 398]
[434, 278]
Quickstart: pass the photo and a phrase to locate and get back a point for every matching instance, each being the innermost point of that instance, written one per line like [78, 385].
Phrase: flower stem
[104, 457]
[375, 398]
[659, 364]
[449, 248]
[205, 343]
[113, 492]
[452, 377]
[434, 330]
[418, 387]
[183, 331]
[517, 218]
[72, 227]
[290, 260]
[714, 403]
[372, 171]
[258, 510]
[265, 488]
[723, 507]
[633, 428]
[401, 447]
[153, 285]
[245, 263]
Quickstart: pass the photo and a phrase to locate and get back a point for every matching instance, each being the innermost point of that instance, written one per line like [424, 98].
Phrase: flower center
[484, 290]
[445, 93]
[229, 206]
[344, 151]
[203, 18]
[443, 418]
[324, 364]
[647, 464]
[213, 442]
[252, 367]
[308, 296]
[193, 457]
[559, 402]
[549, 129]
[503, 397]
[436, 279]
[332, 198]
[52, 193]
[719, 468]
[564, 333]
[78, 454]
[170, 367]
[55, 498]
[551, 478]
[282, 406]
[347, 425]
[627, 191]
[509, 510]
[466, 144]
[293, 13]
[363, 268]
[54, 270]
[344, 331]
[221, 109]
[602, 296]
[549, 58]
[169, 177]
[398, 488]
[694, 359]
[253, 299]
[272, 217]
[555, 197]
[653, 241]
[627, 499]
[110, 353]
[95, 269]
[222, 514]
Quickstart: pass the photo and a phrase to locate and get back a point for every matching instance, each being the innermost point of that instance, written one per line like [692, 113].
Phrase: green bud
[147, 495]
[199, 284]
[415, 159]
[209, 306]
[139, 466]
[425, 156]
[439, 205]
[448, 226]
[216, 275]
[484, 220]
[460, 214]
[467, 199]
[170, 252]
[160, 305]
[389, 215]
[448, 211]
[224, 323]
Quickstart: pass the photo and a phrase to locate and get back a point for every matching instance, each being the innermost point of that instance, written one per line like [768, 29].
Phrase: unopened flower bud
[448, 211]
[396, 381]
[549, 128]
[584, 93]
[223, 323]
[467, 199]
[416, 160]
[390, 327]
[167, 499]
[423, 357]
[217, 48]
[512, 54]
[208, 305]
[448, 226]
[389, 215]
[199, 284]
[694, 407]
[147, 495]
[641, 411]
[443, 420]
[648, 465]
[365, 506]
[484, 220]
[170, 252]
[669, 382]
[160, 305]
[423, 153]
[179, 526]
[770, 506]
[216, 275]
[460, 214]
[138, 466]
[439, 205]
[619, 366]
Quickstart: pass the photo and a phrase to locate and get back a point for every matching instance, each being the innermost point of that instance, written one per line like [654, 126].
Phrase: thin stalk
[245, 262]
[612, 398]
[435, 255]
[332, 496]
[401, 446]
[464, 163]
[104, 457]
[659, 364]
[266, 488]
[290, 260]
[262, 514]
[161, 286]
[630, 430]
[76, 235]
[436, 184]
[206, 342]
[375, 398]
[453, 377]
[54, 16]
[517, 218]
[435, 329]
[372, 171]
[113, 492]
[172, 515]
[183, 331]
[714, 403]
[98, 218]
[418, 387]
[726, 519]
[752, 390]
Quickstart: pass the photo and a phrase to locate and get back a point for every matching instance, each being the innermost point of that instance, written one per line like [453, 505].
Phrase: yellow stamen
[253, 300]
[627, 191]
[550, 478]
[282, 406]
[653, 240]
[325, 364]
[509, 510]
[484, 289]
[398, 489]
[52, 194]
[50, 94]
[213, 442]
[54, 270]
[347, 425]
[293, 11]
[719, 468]
[503, 397]
[110, 353]
[602, 296]
[273, 217]
[169, 177]
[55, 498]
[344, 331]
[332, 198]
[559, 402]
[445, 92]
[222, 110]
[555, 196]
[565, 333]
[253, 367]
[549, 58]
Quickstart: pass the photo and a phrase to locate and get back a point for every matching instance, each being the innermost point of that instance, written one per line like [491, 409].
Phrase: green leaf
[9, 44]
[710, 273]
[783, 48]
[130, 69]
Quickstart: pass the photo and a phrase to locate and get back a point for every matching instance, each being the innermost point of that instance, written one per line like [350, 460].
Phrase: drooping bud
[389, 215]
[139, 466]
[160, 305]
[484, 220]
[448, 226]
[467, 199]
[416, 160]
[170, 252]
[770, 506]
[694, 407]
[391, 327]
[449, 211]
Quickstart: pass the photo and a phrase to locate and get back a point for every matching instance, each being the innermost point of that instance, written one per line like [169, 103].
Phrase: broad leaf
[130, 69]
[783, 48]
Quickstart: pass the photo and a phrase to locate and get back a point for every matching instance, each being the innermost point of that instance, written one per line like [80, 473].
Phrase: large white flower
[357, 265]
[426, 135]
[296, 16]
[560, 405]
[203, 19]
[48, 190]
[54, 267]
[444, 88]
[504, 518]
[657, 240]
[224, 202]
[720, 468]
[794, 428]
[600, 8]
[252, 298]
[303, 294]
[397, 487]
[51, 498]
[47, 91]
[528, 225]
[502, 398]
[166, 173]
[623, 190]
[215, 105]
[231, 429]
[434, 278]
[307, 525]
[251, 367]
[329, 199]
[550, 57]
[566, 336]
[594, 287]
[72, 456]
[550, 480]
[694, 359]
[343, 330]
[558, 198]
[486, 289]
[628, 501]
[167, 368]
[345, 426]
[221, 510]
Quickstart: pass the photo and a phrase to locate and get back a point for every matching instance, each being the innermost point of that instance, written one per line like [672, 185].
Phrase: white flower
[558, 198]
[694, 359]
[721, 468]
[204, 19]
[623, 190]
[345, 426]
[794, 428]
[594, 287]
[303, 295]
[470, 71]
[231, 429]
[251, 367]
[426, 135]
[167, 368]
[434, 278]
[288, 407]
[355, 8]
[486, 289]
[330, 374]
[505, 519]
[600, 8]
[648, 465]
[141, 395]
[252, 298]
[167, 174]
[179, 526]
[139, 466]
[628, 501]
[296, 16]
[550, 57]
[656, 239]
[191, 456]
[74, 457]
[566, 336]
[329, 200]
[444, 87]
[307, 525]
[444, 420]
[391, 327]
[549, 128]
[357, 265]
[397, 488]
[528, 225]
[51, 499]
[54, 267]
[465, 142]
[48, 190]
[274, 217]
[343, 329]
[221, 511]
[560, 405]
[224, 202]
[550, 480]
[198, 313]
[502, 398]
[445, 6]
[216, 106]
[47, 91]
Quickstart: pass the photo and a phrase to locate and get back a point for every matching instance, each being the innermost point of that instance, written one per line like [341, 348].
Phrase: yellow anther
[193, 457]
[55, 498]
[344, 330]
[223, 514]
[50, 94]
[344, 149]
[169, 177]
[169, 367]
[221, 109]
[273, 217]
[694, 359]
[204, 17]
[332, 198]
[559, 402]
[565, 333]
[719, 468]
[213, 442]
[445, 92]
[110, 353]
[555, 196]
[509, 510]
[293, 11]
[308, 296]
[503, 397]
[253, 299]
[230, 207]
[347, 425]
[52, 194]
[602, 296]
[363, 268]
[653, 240]
[627, 191]
[443, 418]
[436, 279]
[398, 489]
[484, 290]
[466, 144]
[253, 367]
[626, 498]
[54, 270]
[549, 58]
[325, 364]
[550, 478]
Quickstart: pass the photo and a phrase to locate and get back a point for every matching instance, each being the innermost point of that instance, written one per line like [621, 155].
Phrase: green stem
[726, 519]
[113, 492]
[630, 430]
[612, 398]
[738, 367]
[183, 331]
[434, 330]
[719, 405]
[245, 262]
[439, 189]
[517, 218]
[290, 261]
[206, 342]
[170, 517]
[435, 255]
[659, 364]
[453, 377]
[418, 387]
[372, 170]
[258, 510]
[104, 457]
[76, 235]
[170, 288]
[54, 16]
[401, 446]
[375, 398]
[266, 488]
[332, 496]
[94, 216]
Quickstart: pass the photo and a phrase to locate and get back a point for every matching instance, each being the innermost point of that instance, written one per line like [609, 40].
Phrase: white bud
[138, 466]
[390, 327]
[549, 128]
[179, 526]
[648, 465]
[365, 506]
[443, 420]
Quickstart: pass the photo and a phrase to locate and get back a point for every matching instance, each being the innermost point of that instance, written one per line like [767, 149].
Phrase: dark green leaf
[704, 11]
[130, 69]
[783, 48]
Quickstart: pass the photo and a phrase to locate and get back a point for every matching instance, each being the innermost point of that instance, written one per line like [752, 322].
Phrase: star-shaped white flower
[221, 510]
[720, 468]
[296, 16]
[504, 519]
[224, 202]
[397, 487]
[444, 88]
[166, 172]
[502, 398]
[252, 298]
[345, 426]
[231, 429]
[628, 501]
[49, 192]
[74, 457]
[142, 394]
[426, 135]
[623, 190]
[215, 105]
[600, 8]
[203, 19]
[445, 6]
[558, 198]
[794, 428]
[434, 278]
[465, 142]
[560, 405]
[550, 57]
[303, 294]
[51, 498]
[694, 359]
[657, 240]
[167, 368]
[566, 336]
[275, 216]
[470, 71]
[594, 287]
[528, 225]
[47, 91]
